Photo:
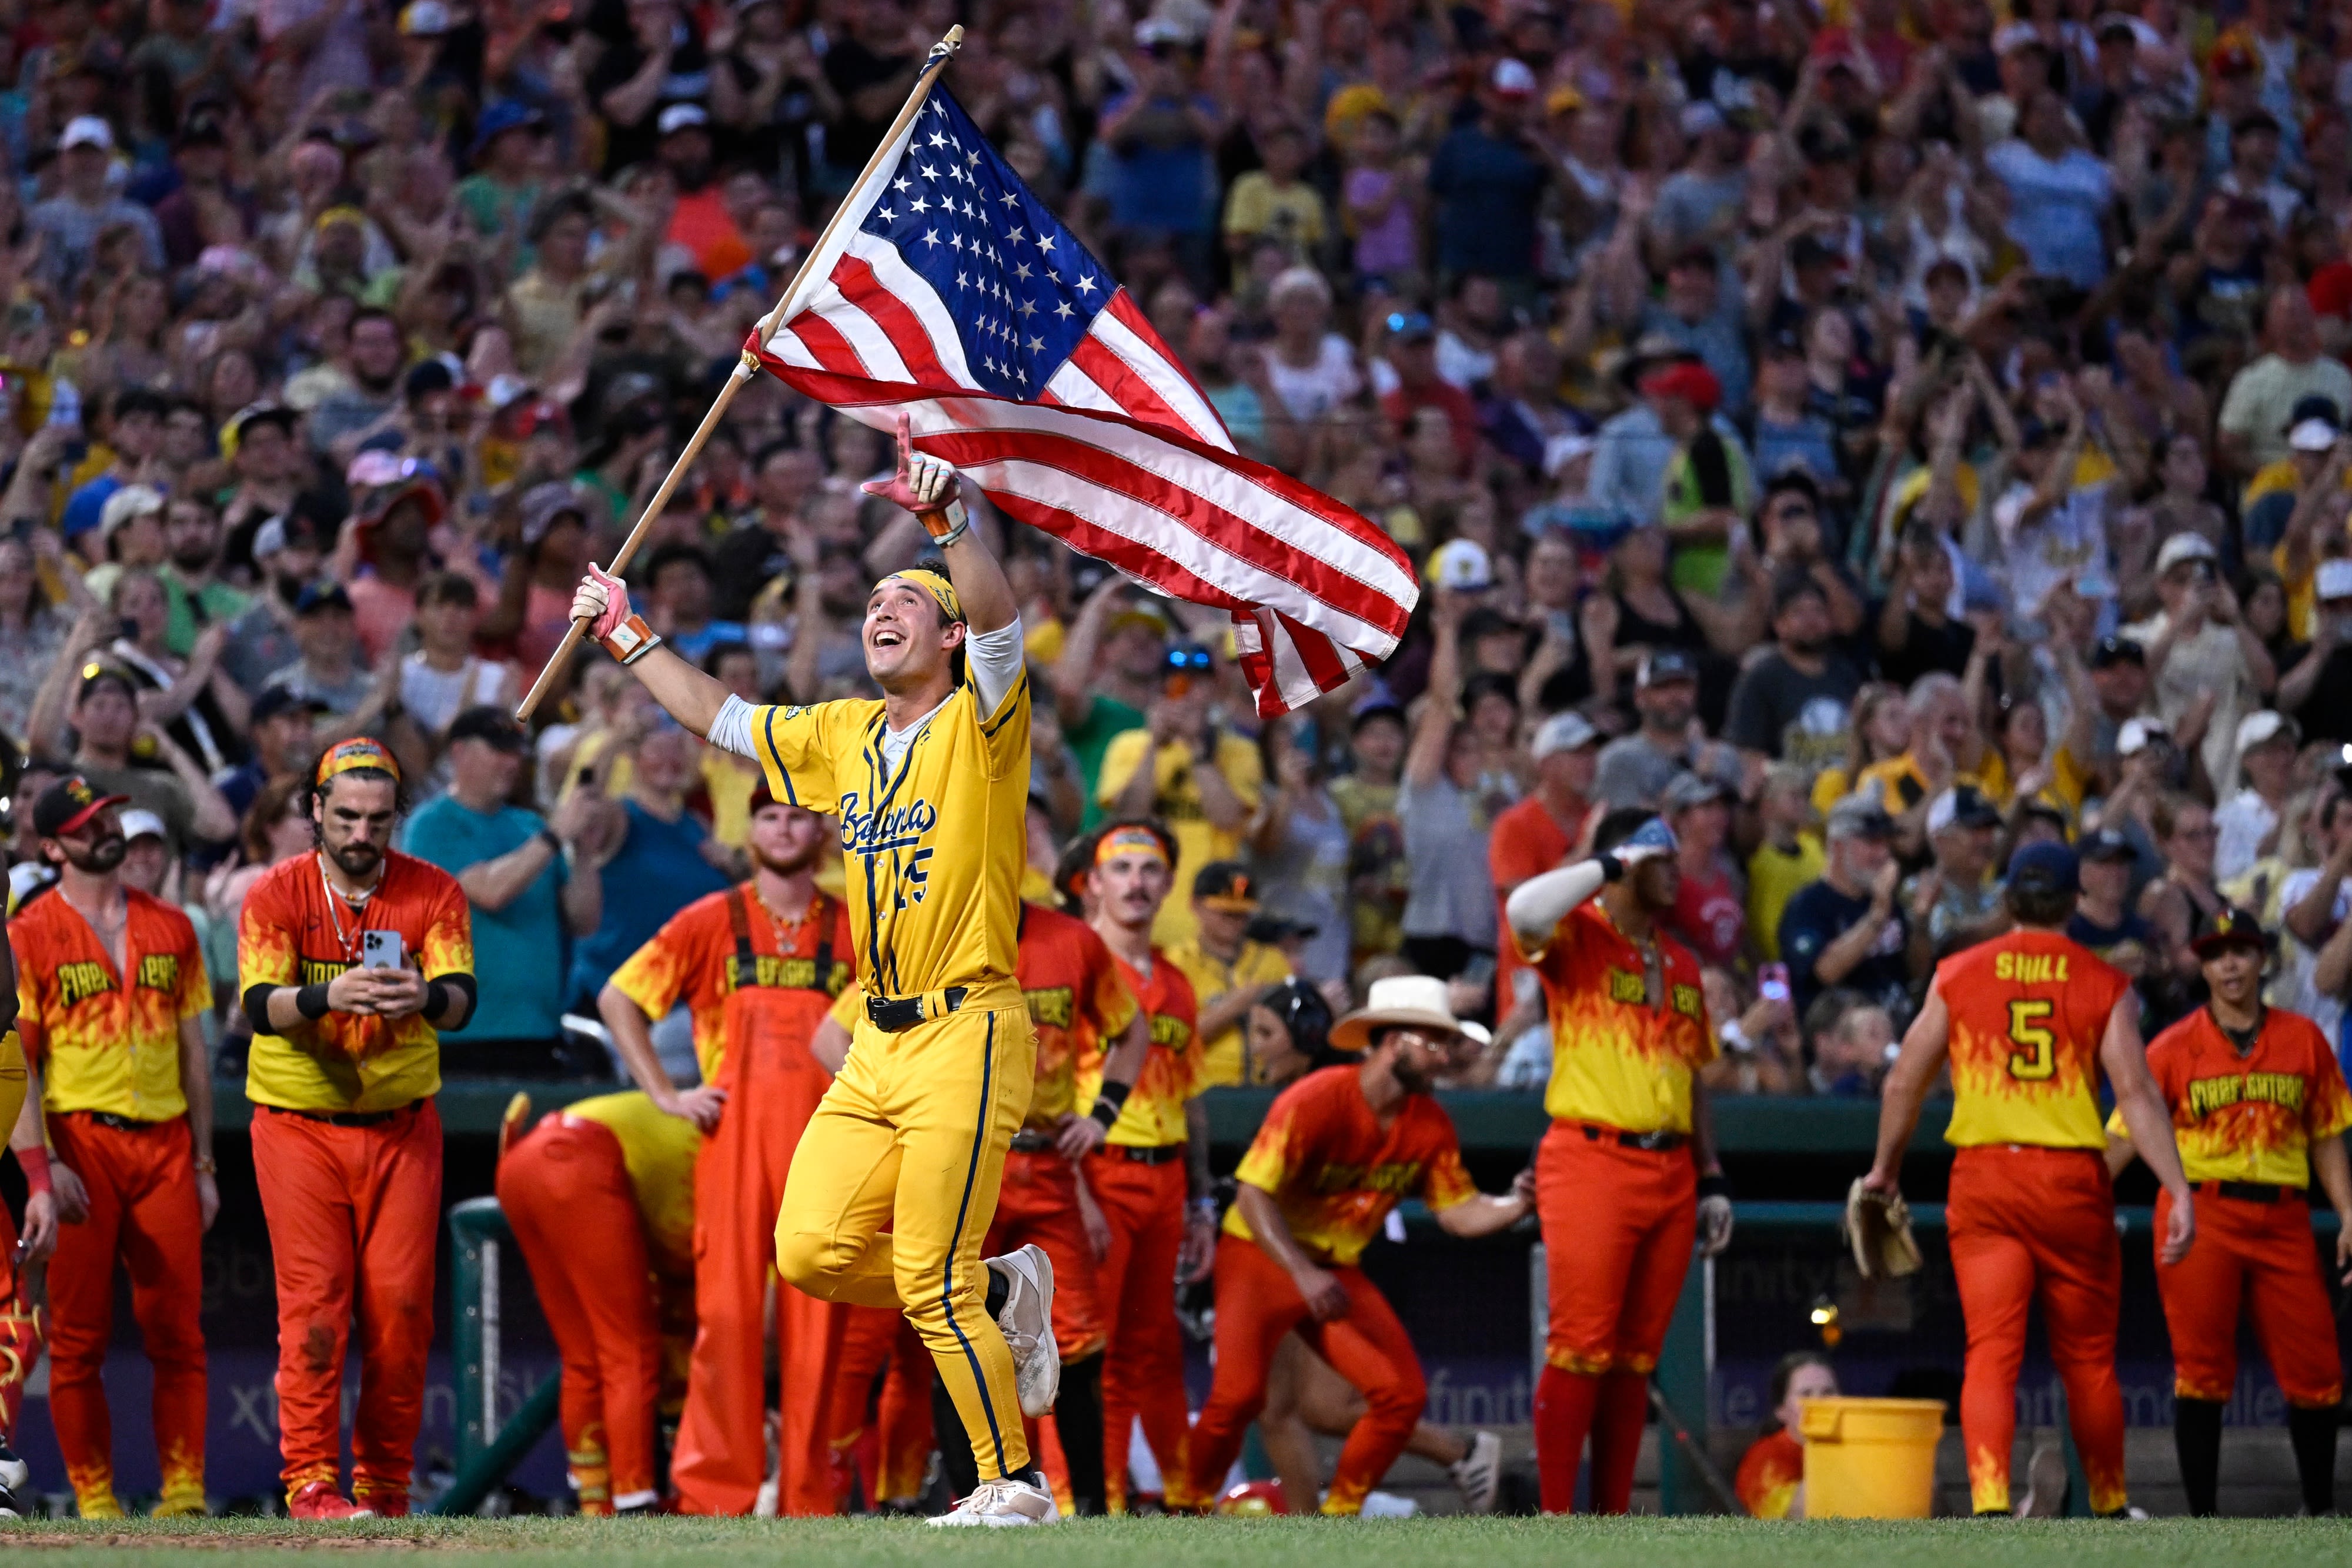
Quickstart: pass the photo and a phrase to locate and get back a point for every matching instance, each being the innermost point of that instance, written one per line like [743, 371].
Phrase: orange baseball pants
[2034, 1224]
[1256, 1305]
[2259, 1256]
[1618, 1224]
[353, 1214]
[774, 1087]
[142, 1210]
[894, 1451]
[1143, 1369]
[1039, 1202]
[568, 1180]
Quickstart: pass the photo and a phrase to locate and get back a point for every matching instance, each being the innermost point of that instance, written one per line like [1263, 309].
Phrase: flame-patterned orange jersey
[2252, 1117]
[1153, 1116]
[1770, 1473]
[1616, 1059]
[294, 932]
[1335, 1172]
[658, 1151]
[1077, 1001]
[2029, 1010]
[935, 846]
[694, 956]
[108, 1041]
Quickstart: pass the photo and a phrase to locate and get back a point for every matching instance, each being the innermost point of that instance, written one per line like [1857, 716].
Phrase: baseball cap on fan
[1562, 732]
[2138, 734]
[1512, 79]
[1461, 565]
[2315, 424]
[2335, 580]
[87, 130]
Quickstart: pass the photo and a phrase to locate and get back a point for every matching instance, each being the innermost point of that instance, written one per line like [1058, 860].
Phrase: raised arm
[926, 486]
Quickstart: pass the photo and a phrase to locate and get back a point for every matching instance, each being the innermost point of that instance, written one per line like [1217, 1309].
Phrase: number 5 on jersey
[2038, 1058]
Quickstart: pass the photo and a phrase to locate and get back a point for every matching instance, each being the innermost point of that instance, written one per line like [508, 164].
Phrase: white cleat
[1478, 1474]
[1027, 1322]
[1001, 1504]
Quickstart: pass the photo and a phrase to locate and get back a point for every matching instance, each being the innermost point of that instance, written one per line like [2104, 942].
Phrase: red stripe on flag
[854, 275]
[1130, 315]
[1246, 540]
[1136, 396]
[1316, 652]
[824, 341]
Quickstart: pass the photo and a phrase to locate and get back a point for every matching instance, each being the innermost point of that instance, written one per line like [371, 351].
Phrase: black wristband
[1612, 868]
[311, 1002]
[554, 845]
[1108, 1100]
[1716, 1185]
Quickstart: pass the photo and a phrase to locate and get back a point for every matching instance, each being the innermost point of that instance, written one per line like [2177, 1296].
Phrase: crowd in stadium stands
[1873, 433]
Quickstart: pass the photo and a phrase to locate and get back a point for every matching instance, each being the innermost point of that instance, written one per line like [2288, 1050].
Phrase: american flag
[948, 292]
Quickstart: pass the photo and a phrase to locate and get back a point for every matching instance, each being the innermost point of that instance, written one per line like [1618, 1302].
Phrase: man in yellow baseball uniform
[931, 785]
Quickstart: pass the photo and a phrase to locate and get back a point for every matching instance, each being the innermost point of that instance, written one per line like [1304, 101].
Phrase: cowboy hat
[1402, 1001]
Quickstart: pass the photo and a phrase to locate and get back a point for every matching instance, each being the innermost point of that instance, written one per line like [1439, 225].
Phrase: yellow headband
[333, 216]
[350, 755]
[1130, 841]
[941, 591]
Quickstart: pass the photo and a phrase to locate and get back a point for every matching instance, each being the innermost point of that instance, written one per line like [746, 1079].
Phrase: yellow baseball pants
[913, 1135]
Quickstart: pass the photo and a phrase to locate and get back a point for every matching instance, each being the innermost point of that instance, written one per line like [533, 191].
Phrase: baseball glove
[1878, 1228]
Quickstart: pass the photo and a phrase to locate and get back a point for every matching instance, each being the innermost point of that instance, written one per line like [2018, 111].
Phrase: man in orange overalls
[1150, 1178]
[2259, 1110]
[1627, 1176]
[887, 1461]
[616, 1168]
[111, 988]
[20, 1325]
[2029, 1020]
[757, 965]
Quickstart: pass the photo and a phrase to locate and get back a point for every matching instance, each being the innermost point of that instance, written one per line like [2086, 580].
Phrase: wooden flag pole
[745, 368]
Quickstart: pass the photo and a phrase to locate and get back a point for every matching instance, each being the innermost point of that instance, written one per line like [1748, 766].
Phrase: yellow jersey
[659, 1151]
[1223, 1061]
[935, 845]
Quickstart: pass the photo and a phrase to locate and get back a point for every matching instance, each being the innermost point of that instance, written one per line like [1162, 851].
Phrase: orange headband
[349, 755]
[1130, 841]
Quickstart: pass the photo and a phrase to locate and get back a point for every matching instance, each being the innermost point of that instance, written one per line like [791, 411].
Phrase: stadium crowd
[1873, 436]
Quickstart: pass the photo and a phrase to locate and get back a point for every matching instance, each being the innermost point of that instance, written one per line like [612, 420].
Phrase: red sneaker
[320, 1500]
[384, 1502]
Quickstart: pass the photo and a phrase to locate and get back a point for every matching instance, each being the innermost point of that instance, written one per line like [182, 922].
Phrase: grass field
[1217, 1543]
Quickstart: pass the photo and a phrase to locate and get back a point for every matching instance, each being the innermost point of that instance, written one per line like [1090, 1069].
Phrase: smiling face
[907, 637]
[2234, 974]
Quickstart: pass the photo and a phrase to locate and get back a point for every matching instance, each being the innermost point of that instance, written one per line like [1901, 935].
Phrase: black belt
[2251, 1191]
[893, 1014]
[1157, 1154]
[120, 1124]
[345, 1118]
[1654, 1141]
[1031, 1140]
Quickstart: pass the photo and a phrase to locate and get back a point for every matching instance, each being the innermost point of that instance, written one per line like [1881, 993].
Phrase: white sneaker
[1027, 1322]
[16, 1475]
[1002, 1503]
[1479, 1473]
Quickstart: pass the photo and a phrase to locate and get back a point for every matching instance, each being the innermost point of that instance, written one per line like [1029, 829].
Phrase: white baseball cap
[1461, 565]
[2261, 725]
[2184, 547]
[678, 116]
[138, 824]
[2335, 579]
[2137, 734]
[87, 130]
[1512, 79]
[1562, 732]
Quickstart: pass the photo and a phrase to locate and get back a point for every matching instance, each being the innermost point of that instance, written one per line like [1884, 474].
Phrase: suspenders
[747, 962]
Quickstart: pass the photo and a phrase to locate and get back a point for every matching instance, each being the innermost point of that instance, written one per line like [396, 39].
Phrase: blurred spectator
[1301, 843]
[533, 883]
[1854, 1040]
[1790, 703]
[1542, 832]
[1711, 914]
[1787, 857]
[1957, 897]
[1849, 929]
[2248, 822]
[2102, 920]
[665, 857]
[1230, 972]
[1186, 768]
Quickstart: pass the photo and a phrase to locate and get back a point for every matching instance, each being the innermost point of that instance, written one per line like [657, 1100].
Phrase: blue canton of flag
[1021, 289]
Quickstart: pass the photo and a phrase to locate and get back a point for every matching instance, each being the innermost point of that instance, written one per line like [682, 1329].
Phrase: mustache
[357, 858]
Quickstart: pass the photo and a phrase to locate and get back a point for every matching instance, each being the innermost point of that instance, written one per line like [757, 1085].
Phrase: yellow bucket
[1870, 1458]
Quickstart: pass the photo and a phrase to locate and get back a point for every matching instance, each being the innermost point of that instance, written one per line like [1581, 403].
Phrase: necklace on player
[336, 899]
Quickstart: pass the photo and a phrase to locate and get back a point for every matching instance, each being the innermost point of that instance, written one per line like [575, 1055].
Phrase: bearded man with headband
[930, 786]
[351, 961]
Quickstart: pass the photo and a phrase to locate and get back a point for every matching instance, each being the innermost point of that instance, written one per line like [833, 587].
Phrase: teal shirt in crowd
[519, 951]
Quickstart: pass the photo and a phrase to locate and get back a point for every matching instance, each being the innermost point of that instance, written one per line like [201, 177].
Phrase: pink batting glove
[616, 601]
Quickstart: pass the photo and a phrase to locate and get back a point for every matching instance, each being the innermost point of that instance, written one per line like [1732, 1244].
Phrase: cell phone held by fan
[381, 950]
[1772, 982]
